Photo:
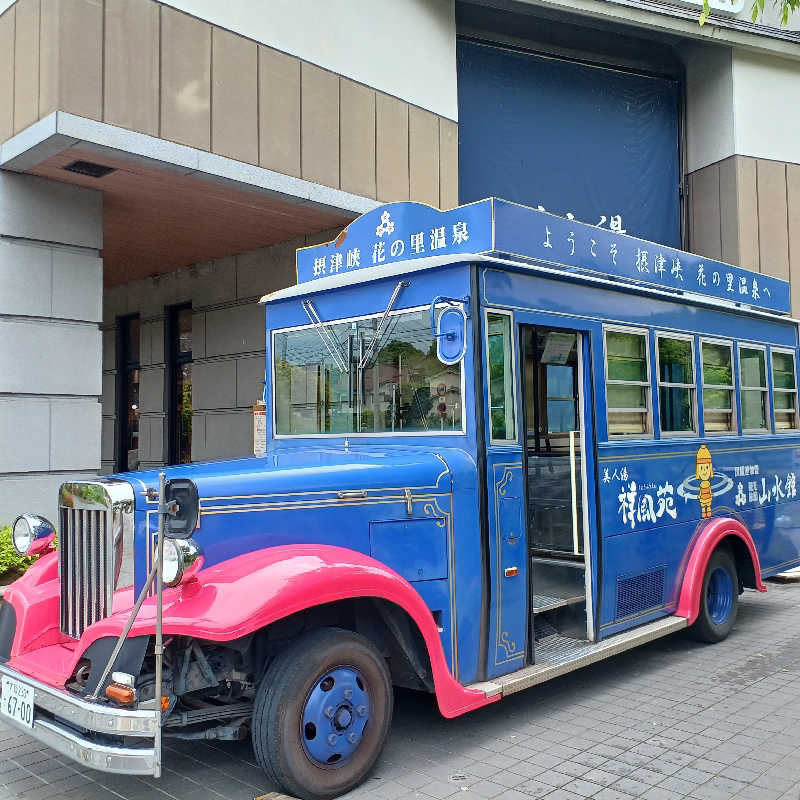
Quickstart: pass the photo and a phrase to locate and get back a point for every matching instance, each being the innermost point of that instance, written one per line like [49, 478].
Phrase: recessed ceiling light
[90, 169]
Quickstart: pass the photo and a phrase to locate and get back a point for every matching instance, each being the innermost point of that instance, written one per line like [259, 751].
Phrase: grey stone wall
[228, 349]
[51, 287]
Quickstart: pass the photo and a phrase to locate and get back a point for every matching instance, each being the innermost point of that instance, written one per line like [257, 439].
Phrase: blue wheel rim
[719, 595]
[335, 716]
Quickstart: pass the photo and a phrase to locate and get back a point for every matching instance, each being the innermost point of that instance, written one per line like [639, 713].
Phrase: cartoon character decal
[706, 483]
[704, 472]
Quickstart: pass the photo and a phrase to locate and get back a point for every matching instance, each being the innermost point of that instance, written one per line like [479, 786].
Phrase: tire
[322, 713]
[719, 599]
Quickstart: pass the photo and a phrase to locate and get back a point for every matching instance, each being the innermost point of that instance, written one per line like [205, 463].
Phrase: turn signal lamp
[124, 695]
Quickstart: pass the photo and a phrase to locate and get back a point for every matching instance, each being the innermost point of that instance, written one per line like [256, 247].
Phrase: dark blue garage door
[593, 141]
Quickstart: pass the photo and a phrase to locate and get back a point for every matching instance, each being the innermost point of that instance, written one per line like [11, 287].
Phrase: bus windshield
[336, 379]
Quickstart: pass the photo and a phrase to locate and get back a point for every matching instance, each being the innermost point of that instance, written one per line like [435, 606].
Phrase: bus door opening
[552, 381]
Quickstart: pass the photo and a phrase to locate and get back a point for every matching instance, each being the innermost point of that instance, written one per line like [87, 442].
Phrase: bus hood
[323, 496]
[303, 471]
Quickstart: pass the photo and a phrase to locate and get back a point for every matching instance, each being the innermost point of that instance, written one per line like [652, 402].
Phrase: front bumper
[66, 723]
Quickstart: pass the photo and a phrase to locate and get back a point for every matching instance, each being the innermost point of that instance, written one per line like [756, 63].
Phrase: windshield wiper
[325, 334]
[382, 324]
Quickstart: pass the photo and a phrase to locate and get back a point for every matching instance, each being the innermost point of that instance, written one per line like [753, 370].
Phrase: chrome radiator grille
[93, 520]
[87, 574]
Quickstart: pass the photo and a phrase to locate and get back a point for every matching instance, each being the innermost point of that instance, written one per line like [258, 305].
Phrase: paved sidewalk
[671, 720]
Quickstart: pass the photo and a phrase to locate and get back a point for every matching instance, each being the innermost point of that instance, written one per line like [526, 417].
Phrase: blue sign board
[399, 232]
[403, 231]
[562, 242]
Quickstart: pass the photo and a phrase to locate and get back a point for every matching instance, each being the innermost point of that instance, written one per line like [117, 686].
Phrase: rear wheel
[719, 599]
[322, 714]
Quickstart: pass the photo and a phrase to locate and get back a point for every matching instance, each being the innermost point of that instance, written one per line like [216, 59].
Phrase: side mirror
[450, 330]
[181, 495]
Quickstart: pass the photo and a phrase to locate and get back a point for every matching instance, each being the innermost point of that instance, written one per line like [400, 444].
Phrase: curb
[792, 576]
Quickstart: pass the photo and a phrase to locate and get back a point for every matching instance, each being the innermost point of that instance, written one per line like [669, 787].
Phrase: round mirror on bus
[451, 335]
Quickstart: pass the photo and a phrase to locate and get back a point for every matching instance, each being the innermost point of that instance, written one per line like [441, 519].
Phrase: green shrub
[10, 561]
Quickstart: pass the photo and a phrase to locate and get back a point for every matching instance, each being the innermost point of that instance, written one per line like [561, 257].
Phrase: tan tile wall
[185, 79]
[152, 69]
[7, 22]
[746, 211]
[279, 111]
[26, 63]
[391, 169]
[319, 134]
[423, 155]
[234, 94]
[71, 57]
[357, 146]
[131, 65]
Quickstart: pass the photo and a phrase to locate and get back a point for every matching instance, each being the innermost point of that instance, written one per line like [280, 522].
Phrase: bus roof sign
[403, 231]
[399, 232]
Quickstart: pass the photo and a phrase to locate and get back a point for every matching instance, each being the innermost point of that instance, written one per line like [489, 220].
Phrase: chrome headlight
[27, 530]
[182, 560]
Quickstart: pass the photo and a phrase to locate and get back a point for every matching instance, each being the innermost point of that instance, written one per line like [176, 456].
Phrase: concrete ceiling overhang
[167, 206]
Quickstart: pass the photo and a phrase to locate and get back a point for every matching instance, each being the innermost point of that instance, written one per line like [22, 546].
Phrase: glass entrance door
[552, 382]
[555, 513]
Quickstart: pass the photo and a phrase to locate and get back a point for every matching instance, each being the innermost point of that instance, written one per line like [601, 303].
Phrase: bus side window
[627, 383]
[784, 390]
[676, 385]
[719, 391]
[501, 378]
[755, 394]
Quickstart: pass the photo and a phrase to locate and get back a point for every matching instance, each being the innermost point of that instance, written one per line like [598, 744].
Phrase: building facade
[160, 162]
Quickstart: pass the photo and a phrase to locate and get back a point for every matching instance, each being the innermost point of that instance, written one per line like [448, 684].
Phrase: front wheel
[322, 714]
[719, 599]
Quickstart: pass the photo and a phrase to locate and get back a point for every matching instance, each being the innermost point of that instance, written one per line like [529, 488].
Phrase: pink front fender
[242, 595]
[35, 599]
[709, 537]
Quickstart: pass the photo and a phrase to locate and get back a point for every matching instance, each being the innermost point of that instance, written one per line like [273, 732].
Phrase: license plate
[16, 701]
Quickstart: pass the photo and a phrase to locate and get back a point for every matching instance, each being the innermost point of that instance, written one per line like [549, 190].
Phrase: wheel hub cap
[335, 716]
[719, 596]
[344, 717]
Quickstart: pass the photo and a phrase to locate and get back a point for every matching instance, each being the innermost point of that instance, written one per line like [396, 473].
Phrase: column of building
[744, 160]
[51, 289]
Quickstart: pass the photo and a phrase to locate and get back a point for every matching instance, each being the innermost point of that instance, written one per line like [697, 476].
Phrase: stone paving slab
[674, 719]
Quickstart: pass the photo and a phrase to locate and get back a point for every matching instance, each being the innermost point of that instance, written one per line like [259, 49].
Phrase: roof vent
[90, 169]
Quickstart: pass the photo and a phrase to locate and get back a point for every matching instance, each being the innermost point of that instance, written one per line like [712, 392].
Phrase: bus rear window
[331, 380]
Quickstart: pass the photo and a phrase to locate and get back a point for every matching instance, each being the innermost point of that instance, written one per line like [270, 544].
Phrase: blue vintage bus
[501, 445]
